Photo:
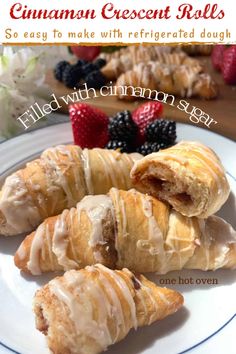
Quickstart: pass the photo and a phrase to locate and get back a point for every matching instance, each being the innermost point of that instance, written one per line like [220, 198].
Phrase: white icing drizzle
[163, 298]
[220, 234]
[87, 171]
[109, 164]
[116, 163]
[153, 301]
[116, 310]
[124, 218]
[48, 242]
[81, 293]
[96, 208]
[36, 247]
[65, 151]
[155, 241]
[17, 206]
[51, 157]
[121, 219]
[60, 242]
[206, 241]
[72, 213]
[164, 155]
[125, 291]
[205, 154]
[79, 301]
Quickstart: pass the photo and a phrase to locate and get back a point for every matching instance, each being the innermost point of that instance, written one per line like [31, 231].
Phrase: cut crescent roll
[84, 312]
[189, 176]
[127, 229]
[59, 179]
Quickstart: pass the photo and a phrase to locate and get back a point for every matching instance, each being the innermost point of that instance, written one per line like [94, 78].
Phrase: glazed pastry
[139, 50]
[84, 312]
[140, 79]
[197, 49]
[127, 229]
[179, 80]
[60, 178]
[189, 176]
[116, 66]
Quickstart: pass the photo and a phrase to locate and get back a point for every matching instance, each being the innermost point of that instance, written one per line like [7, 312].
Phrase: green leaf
[31, 65]
[4, 60]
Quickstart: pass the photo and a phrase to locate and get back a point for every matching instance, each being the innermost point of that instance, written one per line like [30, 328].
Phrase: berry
[229, 65]
[88, 53]
[122, 127]
[89, 125]
[59, 69]
[100, 62]
[96, 80]
[217, 56]
[81, 63]
[71, 76]
[88, 68]
[161, 130]
[149, 147]
[122, 146]
[144, 114]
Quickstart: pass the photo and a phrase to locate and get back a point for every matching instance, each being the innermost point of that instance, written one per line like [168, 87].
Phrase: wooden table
[222, 110]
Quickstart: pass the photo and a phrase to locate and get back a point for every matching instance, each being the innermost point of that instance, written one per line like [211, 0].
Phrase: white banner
[117, 21]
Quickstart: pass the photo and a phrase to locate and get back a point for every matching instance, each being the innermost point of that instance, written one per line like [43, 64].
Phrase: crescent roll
[59, 179]
[84, 312]
[189, 176]
[127, 229]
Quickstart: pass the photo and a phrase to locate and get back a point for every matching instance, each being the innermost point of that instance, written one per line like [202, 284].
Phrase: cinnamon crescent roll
[189, 176]
[127, 229]
[57, 180]
[84, 312]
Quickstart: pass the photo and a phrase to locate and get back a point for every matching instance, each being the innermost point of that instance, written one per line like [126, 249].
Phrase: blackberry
[149, 147]
[122, 127]
[95, 79]
[59, 69]
[161, 130]
[116, 144]
[88, 68]
[71, 76]
[99, 63]
[81, 63]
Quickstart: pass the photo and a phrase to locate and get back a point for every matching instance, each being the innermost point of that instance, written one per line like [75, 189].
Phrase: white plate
[205, 324]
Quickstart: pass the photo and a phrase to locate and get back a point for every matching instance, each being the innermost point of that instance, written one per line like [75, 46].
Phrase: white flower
[12, 105]
[21, 69]
[21, 73]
